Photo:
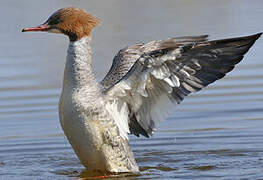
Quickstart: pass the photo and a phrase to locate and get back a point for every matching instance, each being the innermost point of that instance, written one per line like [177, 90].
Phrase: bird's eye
[54, 20]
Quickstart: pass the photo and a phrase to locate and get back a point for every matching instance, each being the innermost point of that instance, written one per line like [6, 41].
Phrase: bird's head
[73, 22]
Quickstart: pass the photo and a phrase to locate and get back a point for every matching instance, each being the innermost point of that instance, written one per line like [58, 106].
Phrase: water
[216, 133]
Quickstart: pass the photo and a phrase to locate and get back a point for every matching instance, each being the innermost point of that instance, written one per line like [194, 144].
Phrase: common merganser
[143, 85]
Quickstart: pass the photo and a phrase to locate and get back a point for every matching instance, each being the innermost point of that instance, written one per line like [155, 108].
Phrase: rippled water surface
[216, 133]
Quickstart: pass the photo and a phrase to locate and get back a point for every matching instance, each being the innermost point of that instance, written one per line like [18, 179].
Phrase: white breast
[82, 131]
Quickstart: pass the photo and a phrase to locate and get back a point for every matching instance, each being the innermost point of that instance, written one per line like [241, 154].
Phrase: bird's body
[88, 125]
[141, 88]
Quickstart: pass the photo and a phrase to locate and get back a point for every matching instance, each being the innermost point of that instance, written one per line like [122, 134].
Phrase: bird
[144, 84]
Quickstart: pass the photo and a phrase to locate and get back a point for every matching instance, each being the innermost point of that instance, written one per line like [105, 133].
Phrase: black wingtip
[257, 35]
[250, 39]
[254, 36]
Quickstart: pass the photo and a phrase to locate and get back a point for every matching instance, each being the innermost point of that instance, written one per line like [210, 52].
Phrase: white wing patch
[120, 113]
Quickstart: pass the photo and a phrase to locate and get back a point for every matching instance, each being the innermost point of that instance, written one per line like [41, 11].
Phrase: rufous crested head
[73, 22]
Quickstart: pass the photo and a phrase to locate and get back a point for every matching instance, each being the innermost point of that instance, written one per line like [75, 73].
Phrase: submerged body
[142, 87]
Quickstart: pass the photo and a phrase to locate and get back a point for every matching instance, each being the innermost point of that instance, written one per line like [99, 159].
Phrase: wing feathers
[164, 72]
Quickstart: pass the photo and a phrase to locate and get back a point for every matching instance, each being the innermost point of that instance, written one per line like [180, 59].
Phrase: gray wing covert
[121, 64]
[169, 70]
[126, 57]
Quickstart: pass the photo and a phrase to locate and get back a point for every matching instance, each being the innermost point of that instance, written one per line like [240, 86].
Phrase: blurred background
[215, 133]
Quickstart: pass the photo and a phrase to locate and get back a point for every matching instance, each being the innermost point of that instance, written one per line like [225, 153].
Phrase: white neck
[78, 72]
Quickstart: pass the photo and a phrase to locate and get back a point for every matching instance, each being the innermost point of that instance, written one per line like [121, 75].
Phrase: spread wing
[126, 57]
[146, 81]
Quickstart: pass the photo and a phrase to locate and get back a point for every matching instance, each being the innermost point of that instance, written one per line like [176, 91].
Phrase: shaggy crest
[74, 22]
